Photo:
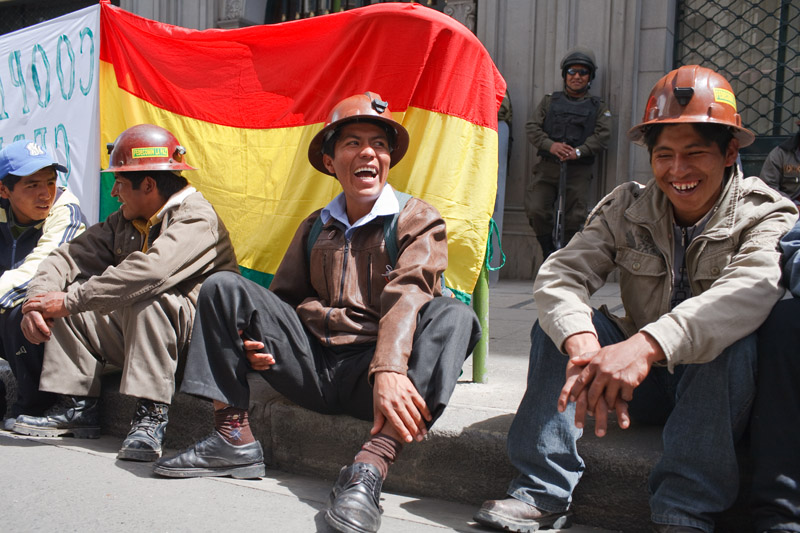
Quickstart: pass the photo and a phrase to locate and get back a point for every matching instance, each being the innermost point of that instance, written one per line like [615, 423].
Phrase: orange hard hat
[146, 147]
[366, 107]
[692, 94]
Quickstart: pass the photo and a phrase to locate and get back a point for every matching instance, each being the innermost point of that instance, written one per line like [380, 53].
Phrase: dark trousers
[775, 421]
[322, 379]
[25, 360]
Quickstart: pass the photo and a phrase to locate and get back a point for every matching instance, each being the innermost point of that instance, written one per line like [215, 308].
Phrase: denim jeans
[774, 432]
[704, 407]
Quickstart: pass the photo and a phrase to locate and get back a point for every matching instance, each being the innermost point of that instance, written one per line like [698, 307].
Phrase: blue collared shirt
[385, 205]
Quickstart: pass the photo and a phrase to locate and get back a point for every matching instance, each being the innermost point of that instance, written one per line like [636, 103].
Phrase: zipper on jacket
[344, 271]
[369, 279]
[327, 327]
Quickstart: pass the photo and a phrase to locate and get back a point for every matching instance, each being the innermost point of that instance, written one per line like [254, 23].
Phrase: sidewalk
[463, 459]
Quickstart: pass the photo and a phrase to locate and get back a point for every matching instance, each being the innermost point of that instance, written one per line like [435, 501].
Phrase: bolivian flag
[246, 102]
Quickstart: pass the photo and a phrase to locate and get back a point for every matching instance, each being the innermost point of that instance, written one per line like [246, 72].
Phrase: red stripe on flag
[292, 74]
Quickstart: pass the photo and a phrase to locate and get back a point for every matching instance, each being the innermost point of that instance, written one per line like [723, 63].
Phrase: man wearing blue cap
[36, 216]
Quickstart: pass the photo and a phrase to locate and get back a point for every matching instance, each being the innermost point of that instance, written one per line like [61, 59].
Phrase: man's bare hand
[35, 327]
[612, 373]
[395, 400]
[49, 304]
[258, 360]
[601, 414]
[563, 151]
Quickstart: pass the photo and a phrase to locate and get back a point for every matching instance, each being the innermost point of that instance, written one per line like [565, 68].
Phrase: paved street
[78, 485]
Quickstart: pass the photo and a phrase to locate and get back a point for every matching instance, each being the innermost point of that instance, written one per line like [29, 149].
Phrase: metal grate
[18, 14]
[283, 10]
[756, 45]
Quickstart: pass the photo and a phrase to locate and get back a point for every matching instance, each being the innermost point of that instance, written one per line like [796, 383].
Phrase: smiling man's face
[689, 169]
[362, 157]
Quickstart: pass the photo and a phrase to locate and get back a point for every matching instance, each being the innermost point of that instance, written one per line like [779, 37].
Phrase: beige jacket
[733, 267]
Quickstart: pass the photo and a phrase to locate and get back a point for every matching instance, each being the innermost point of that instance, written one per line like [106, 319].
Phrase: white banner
[49, 94]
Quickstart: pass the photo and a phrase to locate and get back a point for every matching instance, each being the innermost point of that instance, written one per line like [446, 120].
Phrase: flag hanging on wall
[246, 102]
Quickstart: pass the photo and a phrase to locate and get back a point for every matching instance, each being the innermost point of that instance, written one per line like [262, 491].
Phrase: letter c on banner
[35, 75]
[67, 95]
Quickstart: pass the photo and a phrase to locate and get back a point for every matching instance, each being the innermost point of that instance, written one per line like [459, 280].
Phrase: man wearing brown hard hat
[123, 293]
[696, 249]
[354, 321]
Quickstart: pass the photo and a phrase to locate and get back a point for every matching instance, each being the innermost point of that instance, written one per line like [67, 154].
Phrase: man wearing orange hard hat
[696, 250]
[123, 293]
[354, 321]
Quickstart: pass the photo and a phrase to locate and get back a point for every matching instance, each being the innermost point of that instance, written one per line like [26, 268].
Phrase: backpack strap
[313, 235]
[390, 227]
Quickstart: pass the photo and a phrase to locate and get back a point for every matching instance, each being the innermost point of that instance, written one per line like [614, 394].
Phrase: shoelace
[147, 419]
[368, 478]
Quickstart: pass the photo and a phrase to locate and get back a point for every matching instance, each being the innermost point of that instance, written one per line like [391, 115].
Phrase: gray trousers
[326, 380]
[145, 339]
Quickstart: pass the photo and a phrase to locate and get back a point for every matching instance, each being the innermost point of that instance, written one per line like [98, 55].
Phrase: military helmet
[579, 56]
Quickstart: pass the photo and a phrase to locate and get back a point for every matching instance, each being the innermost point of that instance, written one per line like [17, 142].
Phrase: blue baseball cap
[23, 158]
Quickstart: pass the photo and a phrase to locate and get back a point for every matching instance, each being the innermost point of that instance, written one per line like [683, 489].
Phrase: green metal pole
[480, 303]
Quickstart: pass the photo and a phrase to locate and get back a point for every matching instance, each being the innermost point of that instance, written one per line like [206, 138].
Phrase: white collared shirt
[385, 205]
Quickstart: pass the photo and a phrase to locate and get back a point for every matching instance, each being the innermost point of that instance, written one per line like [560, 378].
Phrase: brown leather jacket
[347, 292]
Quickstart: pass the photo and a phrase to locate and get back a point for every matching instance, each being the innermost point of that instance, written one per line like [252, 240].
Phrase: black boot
[146, 436]
[353, 505]
[78, 416]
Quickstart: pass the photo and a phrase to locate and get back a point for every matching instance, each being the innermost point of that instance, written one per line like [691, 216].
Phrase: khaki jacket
[189, 244]
[733, 267]
[347, 293]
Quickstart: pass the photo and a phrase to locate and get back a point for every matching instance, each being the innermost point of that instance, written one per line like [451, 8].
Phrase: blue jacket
[790, 244]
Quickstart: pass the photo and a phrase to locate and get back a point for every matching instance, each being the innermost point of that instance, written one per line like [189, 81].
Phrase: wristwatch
[577, 152]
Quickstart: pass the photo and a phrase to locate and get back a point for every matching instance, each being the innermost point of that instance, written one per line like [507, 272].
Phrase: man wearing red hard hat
[354, 321]
[123, 293]
[696, 251]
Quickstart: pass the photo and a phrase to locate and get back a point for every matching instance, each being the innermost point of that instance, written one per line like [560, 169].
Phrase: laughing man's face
[361, 162]
[689, 169]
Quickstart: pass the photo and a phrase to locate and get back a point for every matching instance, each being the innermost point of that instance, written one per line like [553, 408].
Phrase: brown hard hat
[146, 147]
[692, 94]
[366, 107]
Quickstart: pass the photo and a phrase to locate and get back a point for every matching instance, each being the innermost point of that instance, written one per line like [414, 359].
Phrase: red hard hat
[146, 147]
[366, 107]
[692, 94]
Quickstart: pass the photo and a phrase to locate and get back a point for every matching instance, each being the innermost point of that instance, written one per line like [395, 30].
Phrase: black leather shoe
[71, 415]
[215, 457]
[146, 436]
[512, 514]
[353, 506]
